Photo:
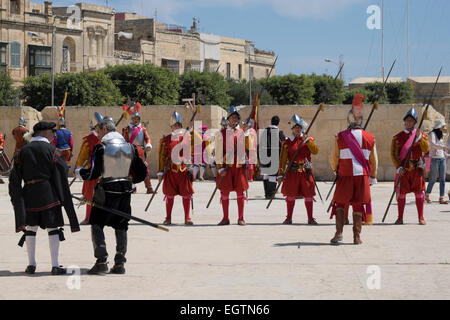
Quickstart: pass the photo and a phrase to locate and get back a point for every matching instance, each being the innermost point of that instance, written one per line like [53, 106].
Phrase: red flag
[63, 107]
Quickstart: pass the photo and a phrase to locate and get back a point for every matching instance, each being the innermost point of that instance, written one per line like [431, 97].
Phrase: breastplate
[117, 159]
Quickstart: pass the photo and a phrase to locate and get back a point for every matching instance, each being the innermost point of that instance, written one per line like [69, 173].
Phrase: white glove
[160, 173]
[373, 181]
[77, 173]
[399, 169]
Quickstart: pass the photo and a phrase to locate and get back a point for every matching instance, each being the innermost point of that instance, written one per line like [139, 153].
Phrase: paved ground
[263, 260]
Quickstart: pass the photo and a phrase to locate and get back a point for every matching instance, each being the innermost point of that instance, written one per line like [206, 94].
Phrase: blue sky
[303, 32]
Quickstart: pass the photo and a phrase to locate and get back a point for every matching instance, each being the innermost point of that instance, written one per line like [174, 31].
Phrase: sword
[120, 213]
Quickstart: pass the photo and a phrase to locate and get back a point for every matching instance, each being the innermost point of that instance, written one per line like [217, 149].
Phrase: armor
[412, 113]
[117, 160]
[107, 118]
[98, 117]
[22, 122]
[224, 122]
[251, 123]
[136, 114]
[233, 110]
[176, 118]
[296, 120]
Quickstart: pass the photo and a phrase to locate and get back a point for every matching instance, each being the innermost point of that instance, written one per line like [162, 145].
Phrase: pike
[120, 213]
[375, 107]
[397, 184]
[291, 162]
[197, 110]
[125, 113]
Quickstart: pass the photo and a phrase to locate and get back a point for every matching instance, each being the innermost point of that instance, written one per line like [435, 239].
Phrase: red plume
[358, 101]
[138, 107]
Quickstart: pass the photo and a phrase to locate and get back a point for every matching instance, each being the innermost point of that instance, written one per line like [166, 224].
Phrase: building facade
[81, 37]
[86, 37]
[140, 40]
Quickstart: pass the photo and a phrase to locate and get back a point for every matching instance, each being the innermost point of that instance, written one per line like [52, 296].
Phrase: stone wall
[385, 123]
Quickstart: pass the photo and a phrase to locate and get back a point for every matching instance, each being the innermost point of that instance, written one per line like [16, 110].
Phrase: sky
[303, 33]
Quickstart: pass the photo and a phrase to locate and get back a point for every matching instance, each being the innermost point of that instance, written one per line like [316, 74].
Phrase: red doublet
[236, 172]
[88, 186]
[412, 180]
[18, 134]
[297, 183]
[353, 185]
[176, 180]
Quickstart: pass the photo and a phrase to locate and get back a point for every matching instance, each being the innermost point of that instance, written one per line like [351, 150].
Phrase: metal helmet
[176, 118]
[62, 122]
[22, 122]
[233, 110]
[107, 118]
[136, 114]
[98, 117]
[296, 120]
[412, 113]
[224, 122]
[250, 123]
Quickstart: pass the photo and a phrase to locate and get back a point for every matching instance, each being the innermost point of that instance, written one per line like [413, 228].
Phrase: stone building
[89, 37]
[423, 86]
[83, 37]
[141, 39]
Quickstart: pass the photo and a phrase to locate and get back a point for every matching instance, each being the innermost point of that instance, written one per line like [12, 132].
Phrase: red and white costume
[232, 146]
[138, 136]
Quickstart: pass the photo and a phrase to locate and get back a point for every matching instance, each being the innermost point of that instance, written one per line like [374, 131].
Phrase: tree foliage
[291, 89]
[7, 92]
[148, 84]
[84, 89]
[210, 88]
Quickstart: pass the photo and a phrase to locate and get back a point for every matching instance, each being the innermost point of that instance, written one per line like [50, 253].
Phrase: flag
[62, 110]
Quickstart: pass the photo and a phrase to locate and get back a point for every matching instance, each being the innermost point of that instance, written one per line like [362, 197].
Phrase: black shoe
[30, 270]
[99, 268]
[57, 271]
[118, 269]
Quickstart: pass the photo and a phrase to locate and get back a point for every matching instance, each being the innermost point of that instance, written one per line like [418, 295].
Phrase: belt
[298, 167]
[35, 181]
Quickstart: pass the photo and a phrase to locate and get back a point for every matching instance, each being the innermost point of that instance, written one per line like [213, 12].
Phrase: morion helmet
[412, 113]
[176, 118]
[22, 122]
[233, 110]
[296, 120]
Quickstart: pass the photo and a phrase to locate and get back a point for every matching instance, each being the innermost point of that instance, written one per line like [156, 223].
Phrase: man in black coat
[38, 203]
[270, 170]
[118, 165]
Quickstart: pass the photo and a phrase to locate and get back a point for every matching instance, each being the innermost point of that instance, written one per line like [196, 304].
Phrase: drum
[5, 164]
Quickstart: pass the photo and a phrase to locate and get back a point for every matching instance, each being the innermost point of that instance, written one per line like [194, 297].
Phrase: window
[211, 65]
[228, 70]
[3, 56]
[14, 6]
[40, 60]
[240, 71]
[15, 55]
[190, 65]
[173, 65]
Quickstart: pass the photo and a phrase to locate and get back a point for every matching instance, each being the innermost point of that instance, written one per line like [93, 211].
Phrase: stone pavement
[263, 260]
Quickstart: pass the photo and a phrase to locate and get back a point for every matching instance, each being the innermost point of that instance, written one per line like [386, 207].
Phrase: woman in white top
[438, 152]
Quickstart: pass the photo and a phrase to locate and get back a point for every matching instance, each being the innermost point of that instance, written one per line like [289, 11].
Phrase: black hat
[42, 126]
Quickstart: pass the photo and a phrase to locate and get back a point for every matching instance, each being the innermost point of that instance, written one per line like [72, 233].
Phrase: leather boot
[340, 217]
[357, 226]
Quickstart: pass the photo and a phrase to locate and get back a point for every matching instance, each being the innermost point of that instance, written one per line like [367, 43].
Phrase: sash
[407, 146]
[355, 149]
[135, 133]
